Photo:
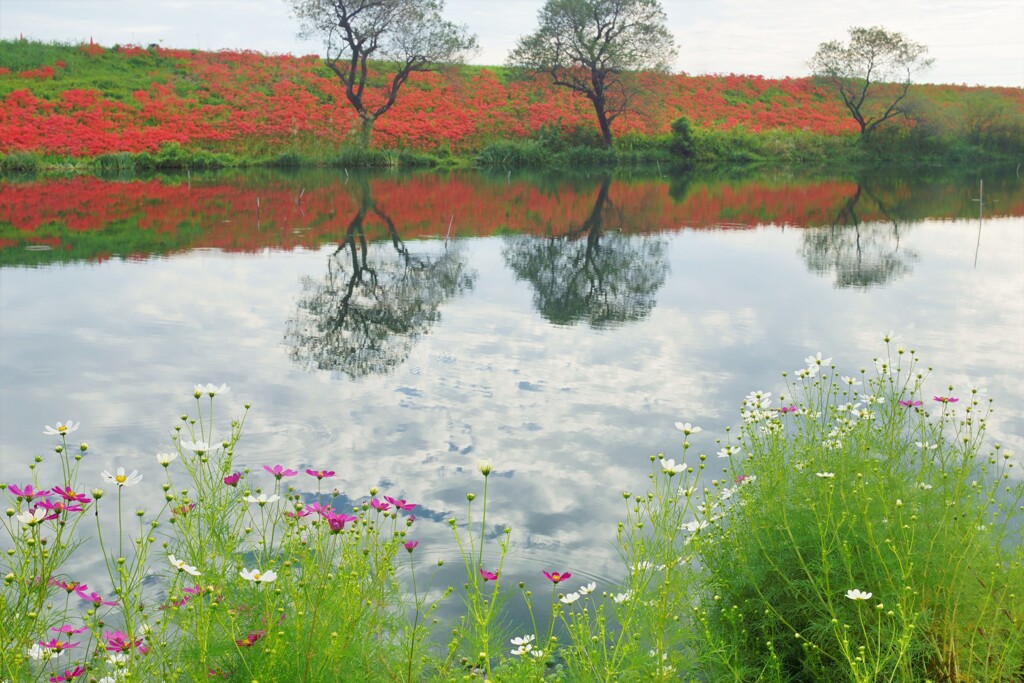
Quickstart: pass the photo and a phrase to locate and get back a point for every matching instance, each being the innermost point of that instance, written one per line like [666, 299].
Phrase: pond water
[397, 328]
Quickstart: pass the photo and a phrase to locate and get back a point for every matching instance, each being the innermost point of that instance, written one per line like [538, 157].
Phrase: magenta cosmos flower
[95, 598]
[280, 471]
[489, 576]
[401, 503]
[68, 629]
[787, 409]
[71, 496]
[118, 641]
[411, 545]
[27, 493]
[69, 586]
[320, 474]
[946, 399]
[57, 645]
[68, 675]
[556, 577]
[337, 521]
[383, 507]
[910, 404]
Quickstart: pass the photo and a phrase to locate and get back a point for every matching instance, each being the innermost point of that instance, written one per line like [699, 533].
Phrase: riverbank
[83, 108]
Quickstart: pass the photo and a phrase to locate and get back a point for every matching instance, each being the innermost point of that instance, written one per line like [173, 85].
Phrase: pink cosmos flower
[183, 510]
[787, 409]
[232, 479]
[946, 399]
[69, 586]
[68, 675]
[71, 496]
[95, 598]
[383, 507]
[118, 641]
[910, 404]
[338, 521]
[411, 545]
[57, 645]
[322, 510]
[556, 577]
[489, 576]
[401, 503]
[298, 514]
[68, 629]
[280, 471]
[251, 639]
[320, 474]
[46, 504]
[27, 493]
[59, 506]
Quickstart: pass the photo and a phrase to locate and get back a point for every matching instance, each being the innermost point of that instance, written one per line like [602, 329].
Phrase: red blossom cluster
[231, 101]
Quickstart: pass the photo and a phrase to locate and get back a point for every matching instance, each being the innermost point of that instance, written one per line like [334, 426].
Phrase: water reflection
[861, 254]
[604, 278]
[364, 315]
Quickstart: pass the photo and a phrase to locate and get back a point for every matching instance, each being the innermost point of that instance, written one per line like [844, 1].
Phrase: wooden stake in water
[981, 205]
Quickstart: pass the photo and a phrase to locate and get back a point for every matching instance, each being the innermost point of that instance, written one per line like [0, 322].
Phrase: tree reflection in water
[603, 277]
[363, 317]
[860, 254]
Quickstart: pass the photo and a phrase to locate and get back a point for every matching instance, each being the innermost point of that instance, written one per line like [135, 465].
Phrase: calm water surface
[560, 330]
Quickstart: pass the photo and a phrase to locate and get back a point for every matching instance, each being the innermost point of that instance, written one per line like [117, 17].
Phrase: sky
[973, 42]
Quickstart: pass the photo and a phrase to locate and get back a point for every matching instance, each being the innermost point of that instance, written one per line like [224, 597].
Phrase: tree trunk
[365, 132]
[602, 120]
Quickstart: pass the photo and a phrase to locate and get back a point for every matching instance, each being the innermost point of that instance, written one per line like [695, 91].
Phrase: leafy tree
[594, 47]
[603, 277]
[410, 34]
[872, 73]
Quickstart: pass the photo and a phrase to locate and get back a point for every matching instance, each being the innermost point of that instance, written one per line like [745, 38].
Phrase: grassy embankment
[85, 107]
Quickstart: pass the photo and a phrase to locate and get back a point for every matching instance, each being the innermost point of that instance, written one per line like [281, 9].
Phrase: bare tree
[408, 35]
[872, 73]
[594, 47]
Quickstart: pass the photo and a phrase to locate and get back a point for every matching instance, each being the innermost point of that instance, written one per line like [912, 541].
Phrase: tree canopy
[594, 47]
[410, 34]
[872, 73]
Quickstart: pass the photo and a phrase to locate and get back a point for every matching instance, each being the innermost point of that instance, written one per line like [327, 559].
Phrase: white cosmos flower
[695, 525]
[925, 445]
[263, 499]
[857, 594]
[588, 589]
[181, 566]
[62, 428]
[166, 459]
[687, 428]
[570, 598]
[620, 598]
[727, 451]
[197, 446]
[825, 475]
[37, 652]
[924, 486]
[256, 576]
[211, 389]
[672, 468]
[524, 640]
[120, 478]
[32, 517]
[816, 360]
[485, 467]
[852, 381]
[522, 650]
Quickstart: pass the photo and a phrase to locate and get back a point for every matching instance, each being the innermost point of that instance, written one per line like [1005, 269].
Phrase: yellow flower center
[120, 479]
[257, 576]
